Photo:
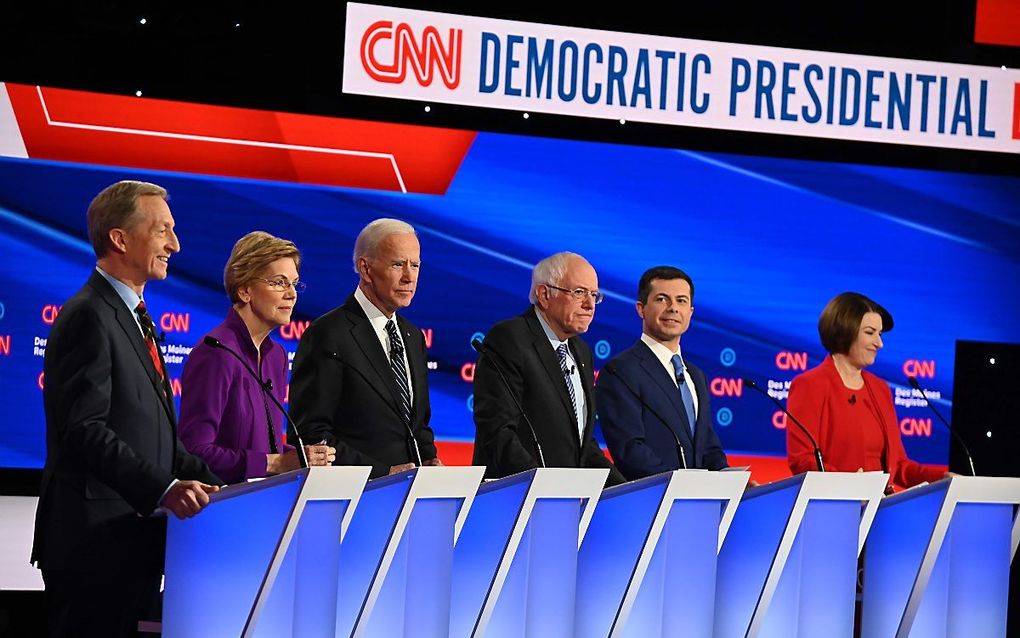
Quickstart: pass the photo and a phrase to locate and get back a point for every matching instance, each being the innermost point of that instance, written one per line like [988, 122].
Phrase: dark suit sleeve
[84, 360]
[620, 414]
[316, 390]
[497, 419]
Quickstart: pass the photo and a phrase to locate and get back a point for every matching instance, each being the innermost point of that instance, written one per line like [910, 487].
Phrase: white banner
[521, 66]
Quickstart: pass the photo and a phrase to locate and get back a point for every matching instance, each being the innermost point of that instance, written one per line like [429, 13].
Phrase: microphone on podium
[818, 452]
[484, 350]
[266, 386]
[611, 369]
[970, 459]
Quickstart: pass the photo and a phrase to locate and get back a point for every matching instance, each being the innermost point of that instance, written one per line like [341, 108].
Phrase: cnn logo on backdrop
[389, 51]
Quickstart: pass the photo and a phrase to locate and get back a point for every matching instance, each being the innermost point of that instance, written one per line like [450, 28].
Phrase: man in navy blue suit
[652, 402]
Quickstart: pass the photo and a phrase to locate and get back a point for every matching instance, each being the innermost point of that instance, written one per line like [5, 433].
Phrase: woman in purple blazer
[226, 419]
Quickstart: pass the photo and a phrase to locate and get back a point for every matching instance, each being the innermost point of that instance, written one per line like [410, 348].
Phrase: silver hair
[375, 232]
[550, 271]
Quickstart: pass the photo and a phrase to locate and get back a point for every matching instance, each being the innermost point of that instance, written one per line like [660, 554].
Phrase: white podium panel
[788, 567]
[937, 560]
[515, 563]
[647, 566]
[397, 555]
[231, 570]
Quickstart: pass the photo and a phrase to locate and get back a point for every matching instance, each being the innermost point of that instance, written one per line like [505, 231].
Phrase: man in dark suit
[360, 371]
[549, 369]
[112, 455]
[650, 397]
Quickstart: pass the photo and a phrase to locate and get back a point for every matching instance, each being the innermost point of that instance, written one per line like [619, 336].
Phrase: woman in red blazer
[849, 411]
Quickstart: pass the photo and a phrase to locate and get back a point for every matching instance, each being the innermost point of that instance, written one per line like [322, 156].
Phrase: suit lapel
[698, 377]
[551, 364]
[587, 385]
[416, 365]
[654, 369]
[368, 341]
[133, 334]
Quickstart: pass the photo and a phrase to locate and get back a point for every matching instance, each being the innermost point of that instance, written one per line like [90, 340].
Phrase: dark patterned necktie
[565, 367]
[149, 329]
[399, 370]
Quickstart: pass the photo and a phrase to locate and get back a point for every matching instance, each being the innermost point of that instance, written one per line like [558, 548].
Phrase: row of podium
[548, 553]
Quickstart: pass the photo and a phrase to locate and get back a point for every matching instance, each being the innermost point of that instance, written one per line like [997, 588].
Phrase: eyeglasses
[282, 285]
[580, 293]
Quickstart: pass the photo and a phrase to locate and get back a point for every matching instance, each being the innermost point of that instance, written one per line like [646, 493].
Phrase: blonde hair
[251, 255]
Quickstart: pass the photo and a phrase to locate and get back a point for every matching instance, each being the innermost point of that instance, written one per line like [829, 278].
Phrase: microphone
[818, 453]
[970, 460]
[852, 400]
[483, 350]
[611, 369]
[407, 426]
[266, 386]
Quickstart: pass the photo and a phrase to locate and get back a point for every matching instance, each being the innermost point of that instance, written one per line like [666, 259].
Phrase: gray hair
[549, 270]
[372, 235]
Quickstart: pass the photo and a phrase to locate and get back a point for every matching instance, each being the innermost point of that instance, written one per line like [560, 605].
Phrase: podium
[397, 557]
[788, 566]
[319, 552]
[937, 560]
[647, 566]
[231, 570]
[515, 562]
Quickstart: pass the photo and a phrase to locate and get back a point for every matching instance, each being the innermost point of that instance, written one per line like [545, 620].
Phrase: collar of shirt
[665, 356]
[662, 353]
[554, 341]
[128, 296]
[378, 321]
[375, 317]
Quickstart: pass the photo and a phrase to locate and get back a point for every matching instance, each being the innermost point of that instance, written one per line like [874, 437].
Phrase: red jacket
[816, 401]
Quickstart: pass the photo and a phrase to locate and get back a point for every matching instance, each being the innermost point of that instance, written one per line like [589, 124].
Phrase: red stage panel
[77, 126]
[997, 22]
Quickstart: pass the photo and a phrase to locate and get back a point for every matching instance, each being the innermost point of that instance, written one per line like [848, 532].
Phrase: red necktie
[150, 338]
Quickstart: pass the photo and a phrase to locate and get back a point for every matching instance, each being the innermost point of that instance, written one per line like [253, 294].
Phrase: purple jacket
[223, 411]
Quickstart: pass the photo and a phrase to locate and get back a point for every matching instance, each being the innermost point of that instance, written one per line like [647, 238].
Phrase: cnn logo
[919, 368]
[791, 360]
[726, 387]
[387, 52]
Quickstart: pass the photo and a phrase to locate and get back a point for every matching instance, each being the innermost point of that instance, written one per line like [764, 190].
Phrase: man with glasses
[359, 379]
[653, 403]
[548, 369]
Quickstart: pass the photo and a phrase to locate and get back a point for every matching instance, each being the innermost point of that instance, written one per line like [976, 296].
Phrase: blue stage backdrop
[768, 241]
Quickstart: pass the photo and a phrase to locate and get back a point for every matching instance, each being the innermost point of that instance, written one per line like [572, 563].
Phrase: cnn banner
[471, 61]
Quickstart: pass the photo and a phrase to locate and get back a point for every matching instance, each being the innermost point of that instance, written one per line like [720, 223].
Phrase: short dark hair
[841, 320]
[661, 272]
[116, 206]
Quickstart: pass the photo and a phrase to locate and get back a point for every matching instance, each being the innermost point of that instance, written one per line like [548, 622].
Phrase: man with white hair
[549, 370]
[359, 379]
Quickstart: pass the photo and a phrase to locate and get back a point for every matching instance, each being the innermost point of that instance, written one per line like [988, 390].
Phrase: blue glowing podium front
[261, 559]
[937, 560]
[320, 552]
[647, 566]
[397, 556]
[515, 562]
[788, 566]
